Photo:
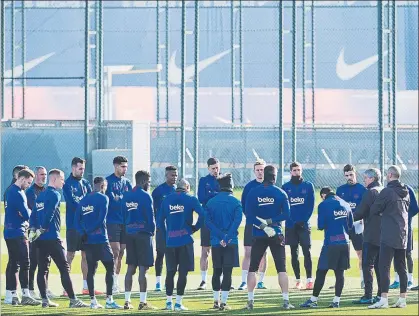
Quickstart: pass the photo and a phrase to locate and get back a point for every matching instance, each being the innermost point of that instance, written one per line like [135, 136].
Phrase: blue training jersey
[248, 187]
[336, 219]
[90, 218]
[208, 187]
[117, 187]
[74, 191]
[17, 213]
[301, 198]
[137, 209]
[32, 194]
[267, 201]
[175, 218]
[46, 214]
[159, 195]
[352, 193]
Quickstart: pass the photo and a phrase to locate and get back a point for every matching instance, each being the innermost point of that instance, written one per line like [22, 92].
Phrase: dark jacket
[392, 204]
[372, 223]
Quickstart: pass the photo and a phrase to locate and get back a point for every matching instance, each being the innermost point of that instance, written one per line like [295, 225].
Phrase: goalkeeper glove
[266, 221]
[34, 234]
[269, 231]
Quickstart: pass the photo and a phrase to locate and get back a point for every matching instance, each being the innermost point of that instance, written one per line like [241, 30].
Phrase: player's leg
[172, 262]
[186, 264]
[144, 245]
[369, 254]
[230, 261]
[400, 265]
[340, 282]
[83, 266]
[23, 260]
[305, 243]
[277, 248]
[205, 250]
[217, 260]
[92, 265]
[377, 274]
[292, 239]
[33, 261]
[258, 249]
[245, 267]
[11, 271]
[386, 256]
[44, 261]
[57, 254]
[357, 241]
[160, 250]
[409, 261]
[263, 266]
[132, 263]
[118, 265]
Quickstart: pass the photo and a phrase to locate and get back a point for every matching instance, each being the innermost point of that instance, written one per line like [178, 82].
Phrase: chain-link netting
[238, 93]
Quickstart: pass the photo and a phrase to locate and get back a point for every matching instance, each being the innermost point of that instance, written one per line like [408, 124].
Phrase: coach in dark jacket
[372, 234]
[392, 204]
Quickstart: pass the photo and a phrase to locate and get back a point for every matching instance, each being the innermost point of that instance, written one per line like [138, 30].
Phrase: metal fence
[325, 83]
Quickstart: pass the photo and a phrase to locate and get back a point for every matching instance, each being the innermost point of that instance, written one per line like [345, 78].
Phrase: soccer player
[118, 185]
[266, 207]
[352, 193]
[336, 219]
[413, 210]
[159, 193]
[207, 188]
[45, 223]
[297, 228]
[32, 193]
[90, 222]
[137, 208]
[392, 205]
[223, 218]
[15, 225]
[176, 219]
[248, 237]
[372, 232]
[74, 190]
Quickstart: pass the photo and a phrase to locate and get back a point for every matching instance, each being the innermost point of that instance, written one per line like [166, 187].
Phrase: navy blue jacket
[336, 219]
[32, 194]
[137, 209]
[223, 217]
[116, 187]
[267, 201]
[46, 214]
[252, 184]
[353, 195]
[74, 190]
[301, 198]
[413, 206]
[17, 213]
[159, 194]
[208, 188]
[90, 218]
[176, 217]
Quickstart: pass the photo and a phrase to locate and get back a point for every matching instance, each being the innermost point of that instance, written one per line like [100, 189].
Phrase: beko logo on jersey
[176, 208]
[131, 206]
[297, 200]
[340, 213]
[39, 206]
[87, 209]
[266, 201]
[352, 204]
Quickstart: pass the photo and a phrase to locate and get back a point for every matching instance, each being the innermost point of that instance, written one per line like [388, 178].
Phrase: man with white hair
[392, 205]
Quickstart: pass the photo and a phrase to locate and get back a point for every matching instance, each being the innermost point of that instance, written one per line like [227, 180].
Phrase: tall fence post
[280, 93]
[86, 81]
[380, 82]
[182, 95]
[294, 81]
[196, 99]
[394, 78]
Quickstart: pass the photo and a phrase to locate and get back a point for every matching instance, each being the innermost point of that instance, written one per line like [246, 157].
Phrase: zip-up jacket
[301, 198]
[223, 218]
[159, 194]
[208, 187]
[372, 223]
[117, 187]
[32, 194]
[352, 193]
[252, 184]
[74, 191]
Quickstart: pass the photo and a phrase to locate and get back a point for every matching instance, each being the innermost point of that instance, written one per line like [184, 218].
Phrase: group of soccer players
[112, 216]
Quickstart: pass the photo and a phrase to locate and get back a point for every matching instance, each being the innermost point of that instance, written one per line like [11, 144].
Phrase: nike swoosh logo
[18, 70]
[175, 73]
[346, 72]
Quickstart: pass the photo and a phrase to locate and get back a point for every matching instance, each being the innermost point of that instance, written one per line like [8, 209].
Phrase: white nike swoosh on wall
[348, 71]
[18, 70]
[175, 73]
